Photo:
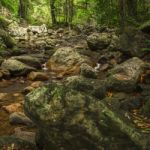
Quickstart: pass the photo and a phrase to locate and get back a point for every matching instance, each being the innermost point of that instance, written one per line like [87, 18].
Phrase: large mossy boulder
[16, 67]
[66, 61]
[69, 119]
[124, 77]
[98, 41]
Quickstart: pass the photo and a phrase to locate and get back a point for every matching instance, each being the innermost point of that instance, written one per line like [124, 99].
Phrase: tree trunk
[132, 8]
[122, 12]
[53, 15]
[23, 9]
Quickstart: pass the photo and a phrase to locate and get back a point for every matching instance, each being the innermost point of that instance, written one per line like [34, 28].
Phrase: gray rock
[20, 118]
[88, 71]
[16, 67]
[29, 60]
[98, 41]
[124, 77]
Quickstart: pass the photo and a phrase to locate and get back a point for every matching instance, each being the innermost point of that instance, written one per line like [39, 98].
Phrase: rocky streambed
[74, 91]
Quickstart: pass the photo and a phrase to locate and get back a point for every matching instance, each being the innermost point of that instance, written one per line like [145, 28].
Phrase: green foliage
[91, 12]
[12, 5]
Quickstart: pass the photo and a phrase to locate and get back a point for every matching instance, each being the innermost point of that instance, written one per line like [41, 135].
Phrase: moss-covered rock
[70, 119]
[7, 39]
[16, 67]
[3, 23]
[98, 41]
[124, 77]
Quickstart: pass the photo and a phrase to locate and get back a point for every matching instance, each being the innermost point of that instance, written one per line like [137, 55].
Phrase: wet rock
[66, 61]
[20, 118]
[84, 119]
[25, 135]
[34, 85]
[124, 77]
[88, 71]
[15, 107]
[29, 60]
[38, 76]
[98, 41]
[16, 67]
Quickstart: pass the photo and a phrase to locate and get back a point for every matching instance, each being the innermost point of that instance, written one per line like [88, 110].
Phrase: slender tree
[53, 12]
[23, 9]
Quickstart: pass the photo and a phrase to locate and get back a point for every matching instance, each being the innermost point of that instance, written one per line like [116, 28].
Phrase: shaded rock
[8, 40]
[145, 27]
[24, 135]
[133, 43]
[87, 71]
[98, 41]
[29, 60]
[15, 107]
[20, 118]
[124, 77]
[115, 43]
[16, 67]
[4, 73]
[79, 121]
[40, 76]
[7, 141]
[93, 87]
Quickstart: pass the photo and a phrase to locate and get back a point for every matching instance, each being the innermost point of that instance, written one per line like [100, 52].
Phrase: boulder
[20, 118]
[98, 41]
[25, 135]
[38, 76]
[29, 60]
[124, 77]
[70, 119]
[7, 39]
[88, 71]
[16, 67]
[66, 61]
